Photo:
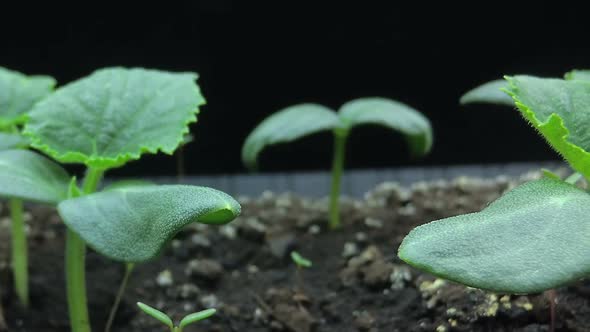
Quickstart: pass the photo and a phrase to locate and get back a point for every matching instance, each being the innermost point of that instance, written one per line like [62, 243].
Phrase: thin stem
[122, 286]
[91, 180]
[340, 136]
[75, 266]
[19, 252]
[76, 282]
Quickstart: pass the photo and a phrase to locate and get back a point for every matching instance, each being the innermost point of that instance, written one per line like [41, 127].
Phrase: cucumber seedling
[301, 263]
[103, 121]
[535, 237]
[302, 120]
[18, 94]
[166, 320]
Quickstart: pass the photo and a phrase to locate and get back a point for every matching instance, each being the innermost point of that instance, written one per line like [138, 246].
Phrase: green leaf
[29, 176]
[12, 141]
[533, 238]
[578, 74]
[18, 94]
[300, 260]
[560, 111]
[133, 224]
[488, 93]
[115, 115]
[391, 114]
[287, 125]
[197, 316]
[157, 314]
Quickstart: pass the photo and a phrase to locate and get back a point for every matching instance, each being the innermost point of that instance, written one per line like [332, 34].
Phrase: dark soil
[356, 283]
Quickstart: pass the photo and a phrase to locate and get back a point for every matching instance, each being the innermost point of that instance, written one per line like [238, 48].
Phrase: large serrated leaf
[115, 115]
[133, 224]
[560, 111]
[394, 115]
[12, 141]
[533, 238]
[488, 93]
[287, 125]
[29, 176]
[18, 94]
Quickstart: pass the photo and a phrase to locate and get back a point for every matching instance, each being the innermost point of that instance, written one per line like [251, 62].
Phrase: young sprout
[300, 261]
[18, 94]
[302, 120]
[103, 121]
[166, 320]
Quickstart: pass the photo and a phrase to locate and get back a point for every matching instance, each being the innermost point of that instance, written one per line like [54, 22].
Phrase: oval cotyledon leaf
[287, 125]
[488, 93]
[533, 238]
[414, 126]
[29, 176]
[133, 224]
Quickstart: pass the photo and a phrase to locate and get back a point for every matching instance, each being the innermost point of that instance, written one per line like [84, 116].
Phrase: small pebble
[228, 231]
[188, 291]
[205, 269]
[373, 223]
[200, 240]
[314, 229]
[350, 250]
[253, 269]
[361, 237]
[210, 301]
[165, 279]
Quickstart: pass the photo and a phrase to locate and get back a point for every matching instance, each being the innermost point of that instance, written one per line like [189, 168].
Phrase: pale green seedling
[300, 261]
[18, 94]
[297, 121]
[103, 121]
[166, 320]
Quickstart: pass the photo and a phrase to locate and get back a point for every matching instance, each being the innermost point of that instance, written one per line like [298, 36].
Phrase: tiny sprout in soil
[297, 121]
[125, 113]
[166, 320]
[534, 237]
[300, 261]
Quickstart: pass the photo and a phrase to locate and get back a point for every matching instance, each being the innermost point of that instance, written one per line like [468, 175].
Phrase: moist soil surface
[243, 269]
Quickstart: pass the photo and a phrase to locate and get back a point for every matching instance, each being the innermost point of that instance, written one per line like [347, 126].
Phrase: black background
[255, 58]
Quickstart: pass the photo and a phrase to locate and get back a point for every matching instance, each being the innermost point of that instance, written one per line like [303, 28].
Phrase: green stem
[91, 180]
[340, 136]
[75, 266]
[76, 282]
[122, 286]
[19, 252]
